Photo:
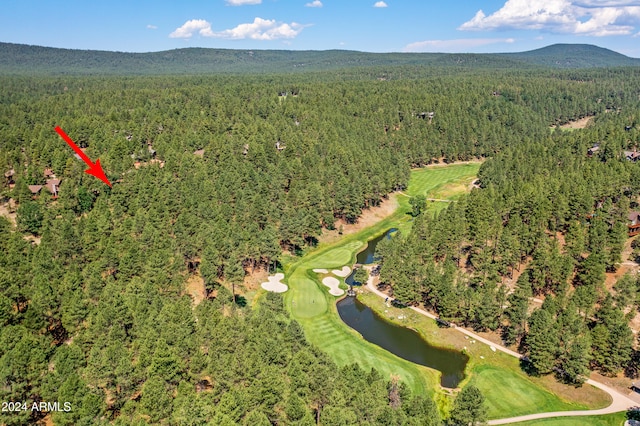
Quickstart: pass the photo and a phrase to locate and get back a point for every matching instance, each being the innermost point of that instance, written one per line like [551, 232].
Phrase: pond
[368, 255]
[402, 341]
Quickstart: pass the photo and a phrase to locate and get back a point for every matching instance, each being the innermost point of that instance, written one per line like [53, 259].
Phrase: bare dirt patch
[440, 162]
[613, 277]
[626, 266]
[492, 336]
[46, 421]
[562, 242]
[196, 289]
[620, 383]
[577, 124]
[517, 271]
[369, 217]
[33, 239]
[8, 210]
[253, 279]
[634, 324]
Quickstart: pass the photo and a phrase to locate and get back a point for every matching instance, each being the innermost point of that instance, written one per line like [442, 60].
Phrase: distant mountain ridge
[27, 59]
[574, 56]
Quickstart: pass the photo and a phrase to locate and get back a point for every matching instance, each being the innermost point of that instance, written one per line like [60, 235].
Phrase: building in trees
[634, 223]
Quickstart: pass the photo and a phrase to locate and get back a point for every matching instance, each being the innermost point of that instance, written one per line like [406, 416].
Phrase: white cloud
[581, 17]
[606, 3]
[380, 4]
[242, 2]
[200, 26]
[262, 29]
[152, 27]
[314, 3]
[455, 45]
[259, 29]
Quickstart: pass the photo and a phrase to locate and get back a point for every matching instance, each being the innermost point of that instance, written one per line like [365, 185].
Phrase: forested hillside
[573, 56]
[215, 177]
[19, 59]
[549, 220]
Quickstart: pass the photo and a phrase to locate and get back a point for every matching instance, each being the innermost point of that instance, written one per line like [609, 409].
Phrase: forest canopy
[218, 176]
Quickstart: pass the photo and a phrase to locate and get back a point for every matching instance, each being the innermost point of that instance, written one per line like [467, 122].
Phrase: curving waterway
[403, 342]
[368, 255]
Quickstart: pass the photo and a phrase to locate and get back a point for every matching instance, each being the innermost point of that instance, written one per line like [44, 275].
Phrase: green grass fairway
[427, 180]
[511, 394]
[508, 391]
[616, 419]
[312, 305]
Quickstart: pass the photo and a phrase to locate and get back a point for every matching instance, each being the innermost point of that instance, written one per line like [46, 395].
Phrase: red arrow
[94, 169]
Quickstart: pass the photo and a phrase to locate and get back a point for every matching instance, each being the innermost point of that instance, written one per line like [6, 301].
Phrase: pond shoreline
[405, 342]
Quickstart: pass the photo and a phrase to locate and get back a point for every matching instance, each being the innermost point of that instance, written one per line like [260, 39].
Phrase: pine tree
[542, 341]
[517, 311]
[469, 408]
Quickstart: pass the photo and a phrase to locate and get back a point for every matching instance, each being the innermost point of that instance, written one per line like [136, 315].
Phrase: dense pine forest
[220, 176]
[549, 219]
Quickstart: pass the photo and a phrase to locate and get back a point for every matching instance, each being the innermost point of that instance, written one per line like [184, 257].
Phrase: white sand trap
[321, 271]
[333, 285]
[273, 284]
[344, 272]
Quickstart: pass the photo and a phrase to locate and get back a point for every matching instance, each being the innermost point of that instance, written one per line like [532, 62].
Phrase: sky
[461, 26]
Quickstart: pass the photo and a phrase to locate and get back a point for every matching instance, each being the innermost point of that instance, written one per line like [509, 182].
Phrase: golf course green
[495, 374]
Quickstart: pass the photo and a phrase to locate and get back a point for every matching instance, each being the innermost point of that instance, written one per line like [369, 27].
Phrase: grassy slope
[508, 391]
[315, 309]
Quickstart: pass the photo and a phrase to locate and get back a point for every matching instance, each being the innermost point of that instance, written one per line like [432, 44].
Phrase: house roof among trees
[52, 185]
[35, 188]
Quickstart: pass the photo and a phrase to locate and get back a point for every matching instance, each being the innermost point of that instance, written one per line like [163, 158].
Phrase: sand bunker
[274, 284]
[321, 271]
[344, 272]
[333, 285]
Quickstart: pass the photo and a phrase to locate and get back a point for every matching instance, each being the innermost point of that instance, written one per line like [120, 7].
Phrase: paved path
[620, 402]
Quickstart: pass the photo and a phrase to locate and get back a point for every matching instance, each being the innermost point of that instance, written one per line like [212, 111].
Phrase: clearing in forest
[315, 309]
[575, 124]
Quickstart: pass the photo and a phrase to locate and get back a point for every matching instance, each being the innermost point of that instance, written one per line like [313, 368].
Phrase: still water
[403, 341]
[368, 255]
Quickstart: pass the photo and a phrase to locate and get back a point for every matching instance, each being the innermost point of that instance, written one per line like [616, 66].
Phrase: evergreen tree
[469, 408]
[542, 340]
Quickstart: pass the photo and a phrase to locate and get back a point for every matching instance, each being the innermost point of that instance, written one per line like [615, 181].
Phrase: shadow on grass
[527, 366]
[241, 301]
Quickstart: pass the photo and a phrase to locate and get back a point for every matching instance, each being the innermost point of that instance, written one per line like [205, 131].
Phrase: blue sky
[365, 25]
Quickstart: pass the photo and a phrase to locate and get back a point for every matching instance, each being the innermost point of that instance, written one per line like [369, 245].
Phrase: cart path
[620, 402]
